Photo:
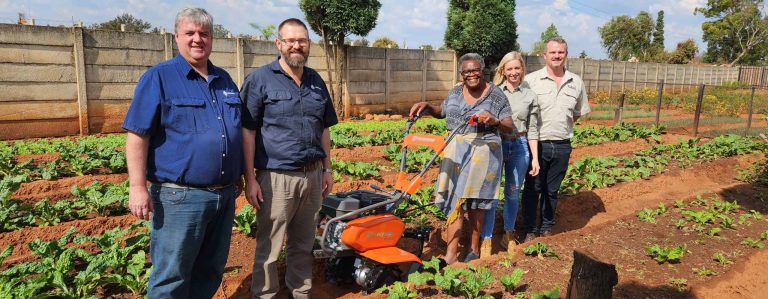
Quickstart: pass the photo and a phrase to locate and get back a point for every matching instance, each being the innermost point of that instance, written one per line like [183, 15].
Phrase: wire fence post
[697, 116]
[658, 100]
[749, 108]
[617, 116]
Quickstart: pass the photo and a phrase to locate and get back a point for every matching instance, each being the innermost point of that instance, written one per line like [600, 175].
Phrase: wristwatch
[327, 170]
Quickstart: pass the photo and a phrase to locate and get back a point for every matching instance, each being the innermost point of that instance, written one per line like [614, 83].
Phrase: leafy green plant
[511, 281]
[358, 170]
[666, 254]
[701, 217]
[725, 221]
[475, 279]
[449, 280]
[540, 250]
[679, 283]
[714, 231]
[245, 220]
[649, 215]
[398, 290]
[749, 242]
[721, 258]
[552, 294]
[704, 271]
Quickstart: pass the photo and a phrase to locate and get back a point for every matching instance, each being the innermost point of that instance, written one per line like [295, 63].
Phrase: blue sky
[413, 22]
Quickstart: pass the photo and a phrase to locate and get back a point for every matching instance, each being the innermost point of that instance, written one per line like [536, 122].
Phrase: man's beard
[295, 62]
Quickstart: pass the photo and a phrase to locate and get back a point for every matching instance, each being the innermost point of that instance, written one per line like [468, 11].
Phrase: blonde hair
[498, 77]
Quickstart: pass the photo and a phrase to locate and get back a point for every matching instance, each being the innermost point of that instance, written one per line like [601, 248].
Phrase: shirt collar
[187, 69]
[275, 67]
[566, 75]
[505, 88]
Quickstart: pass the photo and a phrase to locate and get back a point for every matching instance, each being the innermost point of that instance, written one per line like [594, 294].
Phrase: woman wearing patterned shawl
[471, 169]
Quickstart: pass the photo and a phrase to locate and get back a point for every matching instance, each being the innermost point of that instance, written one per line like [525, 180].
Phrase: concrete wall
[67, 81]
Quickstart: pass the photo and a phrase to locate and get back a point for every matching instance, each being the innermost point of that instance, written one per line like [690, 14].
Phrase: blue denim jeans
[517, 158]
[541, 191]
[189, 240]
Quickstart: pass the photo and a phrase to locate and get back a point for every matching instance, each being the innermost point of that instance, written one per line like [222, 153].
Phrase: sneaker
[471, 257]
[546, 233]
[529, 237]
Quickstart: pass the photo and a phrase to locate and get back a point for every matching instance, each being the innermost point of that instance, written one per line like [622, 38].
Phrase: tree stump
[591, 278]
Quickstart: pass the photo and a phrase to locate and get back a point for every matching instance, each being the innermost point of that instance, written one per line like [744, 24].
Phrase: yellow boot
[509, 241]
[485, 248]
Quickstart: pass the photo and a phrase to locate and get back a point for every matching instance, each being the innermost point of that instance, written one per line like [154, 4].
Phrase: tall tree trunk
[328, 69]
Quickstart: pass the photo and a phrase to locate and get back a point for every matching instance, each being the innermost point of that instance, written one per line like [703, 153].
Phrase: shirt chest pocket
[545, 99]
[278, 103]
[233, 109]
[316, 104]
[568, 99]
[187, 115]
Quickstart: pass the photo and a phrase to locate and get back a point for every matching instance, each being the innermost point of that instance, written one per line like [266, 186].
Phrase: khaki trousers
[292, 200]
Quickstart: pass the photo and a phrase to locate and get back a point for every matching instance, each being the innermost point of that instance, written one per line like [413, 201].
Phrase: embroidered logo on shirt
[229, 93]
[314, 87]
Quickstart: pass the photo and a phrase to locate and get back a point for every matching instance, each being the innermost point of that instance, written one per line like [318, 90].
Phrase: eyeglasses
[290, 41]
[471, 72]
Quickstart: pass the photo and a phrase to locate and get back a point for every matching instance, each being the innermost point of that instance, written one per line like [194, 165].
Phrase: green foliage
[219, 31]
[721, 258]
[105, 200]
[704, 271]
[61, 270]
[734, 31]
[539, 46]
[552, 294]
[624, 37]
[649, 215]
[665, 254]
[267, 31]
[540, 250]
[658, 32]
[415, 159]
[679, 283]
[510, 281]
[475, 279]
[591, 135]
[449, 280]
[684, 52]
[384, 42]
[131, 24]
[245, 220]
[484, 27]
[334, 20]
[358, 170]
[749, 242]
[398, 290]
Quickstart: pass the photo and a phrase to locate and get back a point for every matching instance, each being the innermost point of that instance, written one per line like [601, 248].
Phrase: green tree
[334, 20]
[131, 24]
[267, 31]
[583, 54]
[624, 37]
[384, 42]
[736, 30]
[426, 47]
[658, 32]
[684, 52]
[220, 32]
[486, 27]
[539, 46]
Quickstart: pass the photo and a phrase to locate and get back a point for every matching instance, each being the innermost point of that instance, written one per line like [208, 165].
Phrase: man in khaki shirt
[562, 100]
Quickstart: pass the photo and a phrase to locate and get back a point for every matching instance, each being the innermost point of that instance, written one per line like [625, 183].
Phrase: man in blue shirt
[287, 164]
[185, 138]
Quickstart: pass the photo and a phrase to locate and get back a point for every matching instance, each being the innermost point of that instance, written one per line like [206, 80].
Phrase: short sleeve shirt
[288, 119]
[193, 125]
[558, 106]
[456, 110]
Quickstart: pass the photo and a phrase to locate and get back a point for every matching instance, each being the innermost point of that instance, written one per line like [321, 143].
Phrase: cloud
[561, 4]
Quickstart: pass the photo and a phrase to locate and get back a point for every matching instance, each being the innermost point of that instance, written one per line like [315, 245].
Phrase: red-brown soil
[601, 221]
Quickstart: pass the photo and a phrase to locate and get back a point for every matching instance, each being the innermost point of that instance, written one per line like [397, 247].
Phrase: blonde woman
[519, 146]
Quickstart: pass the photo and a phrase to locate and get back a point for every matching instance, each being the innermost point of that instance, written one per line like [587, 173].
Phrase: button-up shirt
[525, 111]
[558, 106]
[193, 124]
[288, 119]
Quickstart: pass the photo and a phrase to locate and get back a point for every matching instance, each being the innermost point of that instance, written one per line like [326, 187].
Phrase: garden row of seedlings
[73, 277]
[703, 219]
